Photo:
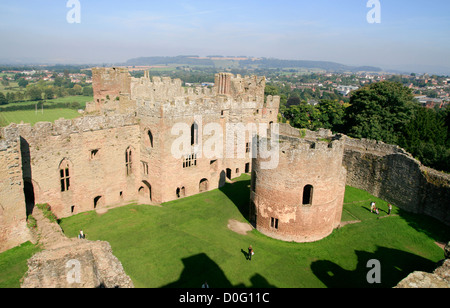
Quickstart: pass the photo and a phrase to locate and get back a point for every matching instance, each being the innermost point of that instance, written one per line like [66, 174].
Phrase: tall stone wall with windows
[80, 165]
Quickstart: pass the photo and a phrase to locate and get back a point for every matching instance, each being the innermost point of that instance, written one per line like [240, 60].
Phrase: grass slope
[187, 241]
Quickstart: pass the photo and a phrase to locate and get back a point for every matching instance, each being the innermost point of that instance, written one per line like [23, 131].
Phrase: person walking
[372, 206]
[250, 252]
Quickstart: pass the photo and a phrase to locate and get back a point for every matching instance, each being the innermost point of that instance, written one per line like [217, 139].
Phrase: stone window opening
[247, 147]
[274, 223]
[308, 195]
[64, 176]
[129, 161]
[181, 192]
[150, 138]
[72, 209]
[145, 167]
[190, 161]
[94, 153]
[194, 134]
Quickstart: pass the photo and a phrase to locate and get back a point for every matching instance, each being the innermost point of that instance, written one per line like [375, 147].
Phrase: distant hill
[245, 62]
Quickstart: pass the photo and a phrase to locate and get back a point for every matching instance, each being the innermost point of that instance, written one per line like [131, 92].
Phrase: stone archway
[204, 185]
[145, 192]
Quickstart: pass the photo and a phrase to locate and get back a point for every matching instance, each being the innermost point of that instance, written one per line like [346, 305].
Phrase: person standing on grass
[372, 206]
[389, 209]
[250, 252]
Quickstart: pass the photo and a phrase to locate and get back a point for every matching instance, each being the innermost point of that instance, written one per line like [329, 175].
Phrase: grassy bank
[187, 241]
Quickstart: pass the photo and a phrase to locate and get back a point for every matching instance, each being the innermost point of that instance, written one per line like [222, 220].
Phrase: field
[32, 117]
[185, 242]
[48, 115]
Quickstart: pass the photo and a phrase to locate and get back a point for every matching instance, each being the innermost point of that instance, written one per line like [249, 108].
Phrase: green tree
[49, 93]
[3, 99]
[88, 91]
[331, 114]
[303, 115]
[379, 111]
[22, 83]
[33, 93]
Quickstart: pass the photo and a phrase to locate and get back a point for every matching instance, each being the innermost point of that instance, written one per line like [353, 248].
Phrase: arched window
[129, 161]
[64, 175]
[194, 134]
[308, 195]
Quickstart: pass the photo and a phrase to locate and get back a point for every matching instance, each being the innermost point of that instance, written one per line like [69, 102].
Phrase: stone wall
[390, 173]
[13, 229]
[93, 150]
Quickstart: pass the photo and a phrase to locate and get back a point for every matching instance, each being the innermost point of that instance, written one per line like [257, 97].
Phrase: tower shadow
[395, 265]
[200, 268]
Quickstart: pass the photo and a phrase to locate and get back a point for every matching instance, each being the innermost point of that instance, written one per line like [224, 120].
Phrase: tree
[331, 114]
[49, 93]
[379, 111]
[22, 83]
[33, 93]
[88, 91]
[3, 99]
[303, 115]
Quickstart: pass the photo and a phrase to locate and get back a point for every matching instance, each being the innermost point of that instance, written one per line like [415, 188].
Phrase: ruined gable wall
[91, 176]
[110, 82]
[13, 229]
[392, 174]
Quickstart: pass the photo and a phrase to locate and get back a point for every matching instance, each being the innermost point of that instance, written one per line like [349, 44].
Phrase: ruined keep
[121, 152]
[301, 200]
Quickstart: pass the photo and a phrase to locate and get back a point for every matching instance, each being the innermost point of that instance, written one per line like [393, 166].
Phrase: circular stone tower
[301, 200]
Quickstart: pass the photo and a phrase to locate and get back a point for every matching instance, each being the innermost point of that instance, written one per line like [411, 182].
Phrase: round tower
[301, 200]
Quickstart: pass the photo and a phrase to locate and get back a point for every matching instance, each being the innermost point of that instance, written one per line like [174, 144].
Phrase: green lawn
[32, 117]
[13, 264]
[184, 242]
[187, 241]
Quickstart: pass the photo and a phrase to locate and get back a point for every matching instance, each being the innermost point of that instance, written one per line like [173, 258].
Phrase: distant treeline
[38, 105]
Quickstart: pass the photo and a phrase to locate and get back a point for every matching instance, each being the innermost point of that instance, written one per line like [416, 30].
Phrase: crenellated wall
[301, 199]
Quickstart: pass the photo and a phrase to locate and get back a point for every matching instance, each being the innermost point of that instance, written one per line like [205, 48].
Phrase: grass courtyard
[185, 242]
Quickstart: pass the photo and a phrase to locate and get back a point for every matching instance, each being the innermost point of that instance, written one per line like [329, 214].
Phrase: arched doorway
[145, 192]
[204, 185]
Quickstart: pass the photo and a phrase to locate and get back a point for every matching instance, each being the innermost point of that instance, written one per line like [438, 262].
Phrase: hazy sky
[411, 32]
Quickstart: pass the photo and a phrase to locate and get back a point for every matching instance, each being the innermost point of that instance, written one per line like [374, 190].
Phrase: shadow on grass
[428, 225]
[395, 266]
[199, 269]
[239, 194]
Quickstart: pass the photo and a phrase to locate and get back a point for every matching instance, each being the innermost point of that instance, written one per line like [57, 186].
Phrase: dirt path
[239, 227]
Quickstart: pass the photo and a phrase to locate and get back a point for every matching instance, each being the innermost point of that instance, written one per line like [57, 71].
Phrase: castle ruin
[122, 152]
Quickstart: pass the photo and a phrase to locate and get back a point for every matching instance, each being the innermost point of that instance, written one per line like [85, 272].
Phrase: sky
[411, 34]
